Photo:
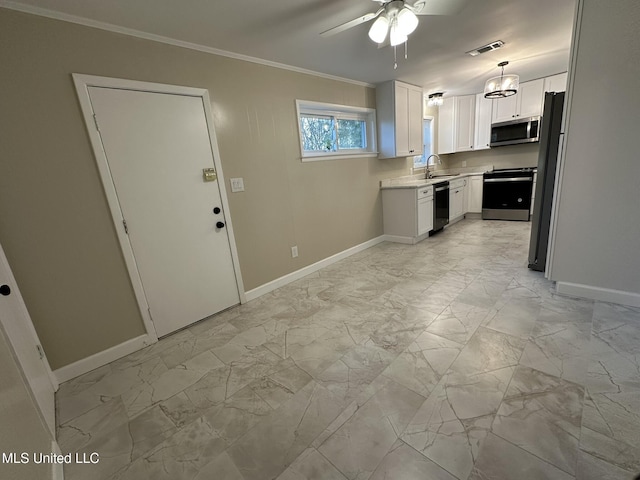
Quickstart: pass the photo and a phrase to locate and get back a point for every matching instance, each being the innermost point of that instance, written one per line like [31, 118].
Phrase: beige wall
[512, 156]
[598, 232]
[56, 227]
[21, 427]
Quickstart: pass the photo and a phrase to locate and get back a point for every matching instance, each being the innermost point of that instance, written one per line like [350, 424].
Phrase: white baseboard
[101, 358]
[118, 351]
[303, 272]
[57, 472]
[399, 239]
[596, 293]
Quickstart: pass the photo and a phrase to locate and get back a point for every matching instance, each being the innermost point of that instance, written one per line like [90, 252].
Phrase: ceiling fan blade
[438, 7]
[351, 24]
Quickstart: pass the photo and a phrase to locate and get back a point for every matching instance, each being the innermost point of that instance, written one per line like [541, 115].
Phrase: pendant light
[435, 99]
[502, 86]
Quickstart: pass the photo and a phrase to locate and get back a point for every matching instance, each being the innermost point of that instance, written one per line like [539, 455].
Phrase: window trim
[344, 112]
[425, 155]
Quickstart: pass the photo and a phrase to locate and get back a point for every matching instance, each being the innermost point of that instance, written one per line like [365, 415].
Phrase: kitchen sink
[444, 175]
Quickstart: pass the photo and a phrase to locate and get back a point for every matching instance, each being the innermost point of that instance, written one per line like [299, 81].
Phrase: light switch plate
[237, 185]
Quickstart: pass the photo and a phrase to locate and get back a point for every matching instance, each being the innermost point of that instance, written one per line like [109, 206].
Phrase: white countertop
[419, 180]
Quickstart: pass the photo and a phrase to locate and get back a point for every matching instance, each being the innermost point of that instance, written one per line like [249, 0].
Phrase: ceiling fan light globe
[396, 37]
[379, 29]
[407, 21]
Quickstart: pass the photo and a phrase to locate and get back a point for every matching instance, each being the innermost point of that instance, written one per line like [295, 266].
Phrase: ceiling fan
[398, 18]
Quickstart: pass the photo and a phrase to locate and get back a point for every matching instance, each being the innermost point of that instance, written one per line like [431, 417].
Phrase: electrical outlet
[464, 163]
[294, 251]
[237, 185]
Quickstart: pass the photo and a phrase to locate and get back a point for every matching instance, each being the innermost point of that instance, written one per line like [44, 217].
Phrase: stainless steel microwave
[522, 130]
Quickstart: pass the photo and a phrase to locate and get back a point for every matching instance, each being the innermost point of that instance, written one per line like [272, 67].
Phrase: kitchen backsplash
[500, 157]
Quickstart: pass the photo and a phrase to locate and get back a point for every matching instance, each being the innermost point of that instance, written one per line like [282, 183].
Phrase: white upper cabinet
[464, 122]
[465, 119]
[526, 103]
[556, 83]
[399, 118]
[483, 122]
[446, 126]
[416, 143]
[530, 98]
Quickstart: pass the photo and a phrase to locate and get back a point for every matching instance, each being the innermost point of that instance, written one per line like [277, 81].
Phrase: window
[421, 161]
[335, 131]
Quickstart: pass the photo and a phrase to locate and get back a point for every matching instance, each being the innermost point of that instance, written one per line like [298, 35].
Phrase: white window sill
[339, 156]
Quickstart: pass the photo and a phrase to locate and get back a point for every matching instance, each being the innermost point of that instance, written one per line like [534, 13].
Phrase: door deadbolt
[216, 210]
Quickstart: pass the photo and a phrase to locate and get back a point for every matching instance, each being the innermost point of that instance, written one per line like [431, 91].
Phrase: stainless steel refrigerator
[550, 140]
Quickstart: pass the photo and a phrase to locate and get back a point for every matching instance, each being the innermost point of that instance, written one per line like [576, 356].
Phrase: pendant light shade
[502, 86]
[407, 21]
[435, 99]
[379, 29]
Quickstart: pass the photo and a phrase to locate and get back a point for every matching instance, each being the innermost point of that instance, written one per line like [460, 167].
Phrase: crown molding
[65, 17]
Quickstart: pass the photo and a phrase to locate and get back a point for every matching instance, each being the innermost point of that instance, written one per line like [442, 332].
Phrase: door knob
[219, 224]
[5, 290]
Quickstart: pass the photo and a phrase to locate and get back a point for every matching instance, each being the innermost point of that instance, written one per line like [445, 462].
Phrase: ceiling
[537, 35]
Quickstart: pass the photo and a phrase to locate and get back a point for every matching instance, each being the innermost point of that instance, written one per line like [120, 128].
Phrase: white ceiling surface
[537, 36]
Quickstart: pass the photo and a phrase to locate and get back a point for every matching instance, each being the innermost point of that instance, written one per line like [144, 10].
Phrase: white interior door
[23, 338]
[156, 146]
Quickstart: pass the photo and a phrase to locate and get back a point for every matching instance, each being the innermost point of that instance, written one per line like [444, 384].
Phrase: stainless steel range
[506, 194]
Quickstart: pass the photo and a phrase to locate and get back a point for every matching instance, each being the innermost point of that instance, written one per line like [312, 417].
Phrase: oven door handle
[511, 179]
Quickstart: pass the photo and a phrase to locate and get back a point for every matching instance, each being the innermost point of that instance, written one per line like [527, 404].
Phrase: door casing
[23, 340]
[82, 83]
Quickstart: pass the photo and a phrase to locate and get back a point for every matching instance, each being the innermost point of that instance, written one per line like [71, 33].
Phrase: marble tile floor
[448, 359]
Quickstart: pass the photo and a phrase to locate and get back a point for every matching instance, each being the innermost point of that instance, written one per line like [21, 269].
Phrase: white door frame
[82, 84]
[21, 338]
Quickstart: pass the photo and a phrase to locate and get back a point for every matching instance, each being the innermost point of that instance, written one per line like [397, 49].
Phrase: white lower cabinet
[456, 199]
[474, 186]
[407, 213]
[425, 215]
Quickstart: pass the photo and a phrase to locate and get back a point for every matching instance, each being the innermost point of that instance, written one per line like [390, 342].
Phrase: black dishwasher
[440, 206]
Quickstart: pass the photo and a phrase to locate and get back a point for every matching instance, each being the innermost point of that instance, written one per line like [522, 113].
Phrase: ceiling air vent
[486, 48]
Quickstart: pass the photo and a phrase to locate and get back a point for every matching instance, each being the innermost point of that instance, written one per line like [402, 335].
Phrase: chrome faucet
[428, 173]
